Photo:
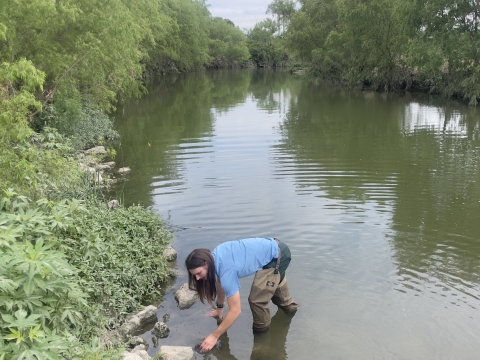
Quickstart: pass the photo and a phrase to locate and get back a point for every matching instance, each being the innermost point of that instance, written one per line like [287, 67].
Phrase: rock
[131, 356]
[139, 347]
[155, 341]
[112, 204]
[169, 253]
[141, 352]
[96, 150]
[218, 345]
[106, 166]
[110, 164]
[140, 320]
[91, 161]
[137, 340]
[124, 170]
[185, 297]
[177, 353]
[166, 317]
[161, 330]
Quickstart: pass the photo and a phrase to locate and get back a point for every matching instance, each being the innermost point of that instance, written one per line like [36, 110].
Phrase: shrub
[87, 125]
[69, 268]
[39, 165]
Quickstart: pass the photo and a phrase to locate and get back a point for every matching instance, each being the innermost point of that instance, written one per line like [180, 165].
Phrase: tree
[283, 10]
[227, 44]
[265, 48]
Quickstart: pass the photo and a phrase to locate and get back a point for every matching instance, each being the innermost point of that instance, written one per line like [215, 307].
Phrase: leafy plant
[69, 268]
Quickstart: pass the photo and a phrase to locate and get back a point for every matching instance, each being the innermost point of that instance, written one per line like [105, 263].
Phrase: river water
[376, 194]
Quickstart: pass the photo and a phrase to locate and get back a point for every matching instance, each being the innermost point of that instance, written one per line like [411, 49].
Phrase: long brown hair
[206, 289]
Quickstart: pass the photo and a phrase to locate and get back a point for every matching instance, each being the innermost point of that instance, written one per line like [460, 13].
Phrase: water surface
[376, 195]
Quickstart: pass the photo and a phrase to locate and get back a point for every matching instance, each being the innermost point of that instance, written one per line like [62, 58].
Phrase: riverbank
[79, 262]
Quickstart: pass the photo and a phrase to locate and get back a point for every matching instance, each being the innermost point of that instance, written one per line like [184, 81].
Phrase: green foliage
[227, 44]
[391, 45]
[118, 255]
[69, 267]
[40, 295]
[445, 49]
[265, 47]
[39, 165]
[18, 84]
[190, 36]
[97, 51]
[283, 11]
[88, 127]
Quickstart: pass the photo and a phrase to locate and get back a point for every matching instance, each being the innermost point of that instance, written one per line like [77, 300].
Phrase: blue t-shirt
[239, 258]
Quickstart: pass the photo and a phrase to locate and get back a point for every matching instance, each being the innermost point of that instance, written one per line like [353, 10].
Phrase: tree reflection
[407, 152]
[177, 109]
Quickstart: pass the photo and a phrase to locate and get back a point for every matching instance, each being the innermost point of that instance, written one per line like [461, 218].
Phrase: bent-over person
[216, 274]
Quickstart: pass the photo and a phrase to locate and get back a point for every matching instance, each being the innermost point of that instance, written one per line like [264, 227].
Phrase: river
[377, 195]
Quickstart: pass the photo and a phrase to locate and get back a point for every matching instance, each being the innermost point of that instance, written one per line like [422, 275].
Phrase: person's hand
[218, 313]
[208, 343]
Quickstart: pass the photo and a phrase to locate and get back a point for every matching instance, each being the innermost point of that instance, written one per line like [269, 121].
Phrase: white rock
[169, 253]
[131, 356]
[142, 353]
[112, 204]
[185, 297]
[105, 166]
[177, 353]
[96, 150]
[124, 170]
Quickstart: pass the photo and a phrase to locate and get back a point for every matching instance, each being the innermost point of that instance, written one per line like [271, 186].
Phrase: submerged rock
[140, 320]
[155, 341]
[185, 297]
[218, 345]
[160, 330]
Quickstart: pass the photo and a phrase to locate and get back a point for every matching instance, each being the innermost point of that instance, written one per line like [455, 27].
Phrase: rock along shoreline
[148, 316]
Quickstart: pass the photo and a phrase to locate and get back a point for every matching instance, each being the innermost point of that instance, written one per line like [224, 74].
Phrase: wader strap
[277, 265]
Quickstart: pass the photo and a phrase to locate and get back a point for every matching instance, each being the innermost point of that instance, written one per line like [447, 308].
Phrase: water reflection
[270, 344]
[349, 147]
[379, 194]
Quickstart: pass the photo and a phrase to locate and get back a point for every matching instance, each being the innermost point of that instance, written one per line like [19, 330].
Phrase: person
[215, 275]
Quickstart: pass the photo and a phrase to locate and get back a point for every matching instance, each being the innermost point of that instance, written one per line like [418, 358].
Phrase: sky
[243, 13]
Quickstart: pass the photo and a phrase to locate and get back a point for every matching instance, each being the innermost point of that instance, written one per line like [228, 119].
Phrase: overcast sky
[243, 13]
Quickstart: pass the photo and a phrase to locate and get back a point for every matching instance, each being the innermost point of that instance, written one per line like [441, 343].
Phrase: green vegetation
[71, 267]
[93, 51]
[68, 267]
[391, 45]
[265, 46]
[266, 39]
[384, 45]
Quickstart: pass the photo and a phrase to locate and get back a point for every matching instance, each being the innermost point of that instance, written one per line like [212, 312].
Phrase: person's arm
[234, 310]
[218, 312]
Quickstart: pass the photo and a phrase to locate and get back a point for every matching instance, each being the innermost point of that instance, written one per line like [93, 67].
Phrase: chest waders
[270, 283]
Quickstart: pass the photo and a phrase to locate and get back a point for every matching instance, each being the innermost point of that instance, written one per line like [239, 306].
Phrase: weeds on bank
[70, 269]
